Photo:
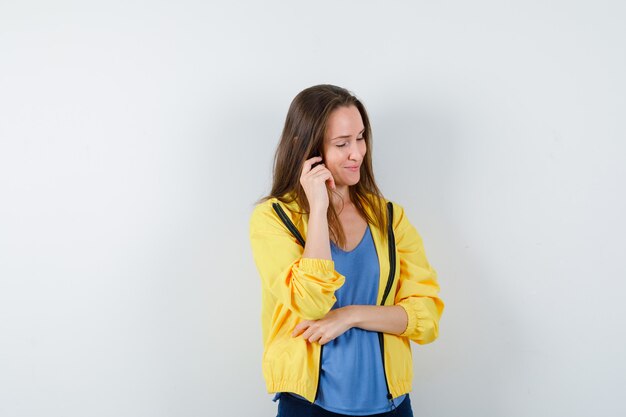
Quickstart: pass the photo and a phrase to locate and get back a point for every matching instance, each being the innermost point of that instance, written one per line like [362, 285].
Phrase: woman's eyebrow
[347, 136]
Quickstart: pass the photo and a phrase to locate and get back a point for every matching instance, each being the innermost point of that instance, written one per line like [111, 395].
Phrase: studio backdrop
[135, 137]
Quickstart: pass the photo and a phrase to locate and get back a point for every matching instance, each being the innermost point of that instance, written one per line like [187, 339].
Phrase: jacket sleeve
[418, 290]
[304, 285]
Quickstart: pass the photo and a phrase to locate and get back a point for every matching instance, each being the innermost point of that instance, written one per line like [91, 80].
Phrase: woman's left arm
[417, 290]
[386, 319]
[417, 307]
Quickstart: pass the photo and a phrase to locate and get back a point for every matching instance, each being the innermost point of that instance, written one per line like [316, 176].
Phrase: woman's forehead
[344, 122]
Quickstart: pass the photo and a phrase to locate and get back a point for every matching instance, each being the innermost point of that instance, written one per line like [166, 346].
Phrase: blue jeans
[290, 406]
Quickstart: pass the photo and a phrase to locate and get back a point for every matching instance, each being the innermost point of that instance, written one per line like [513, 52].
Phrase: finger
[309, 162]
[313, 331]
[317, 169]
[307, 333]
[328, 178]
[322, 171]
[322, 176]
[300, 327]
[331, 182]
[314, 337]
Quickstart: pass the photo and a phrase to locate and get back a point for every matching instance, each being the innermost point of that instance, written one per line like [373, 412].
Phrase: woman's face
[344, 145]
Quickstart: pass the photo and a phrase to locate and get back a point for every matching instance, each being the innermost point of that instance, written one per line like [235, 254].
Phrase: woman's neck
[341, 198]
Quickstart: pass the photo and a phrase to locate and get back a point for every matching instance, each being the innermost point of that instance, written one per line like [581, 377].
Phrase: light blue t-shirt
[352, 380]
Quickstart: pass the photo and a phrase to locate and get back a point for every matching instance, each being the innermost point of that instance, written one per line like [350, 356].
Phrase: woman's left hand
[322, 331]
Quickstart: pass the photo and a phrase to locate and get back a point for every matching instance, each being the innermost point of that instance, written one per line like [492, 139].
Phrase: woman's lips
[353, 169]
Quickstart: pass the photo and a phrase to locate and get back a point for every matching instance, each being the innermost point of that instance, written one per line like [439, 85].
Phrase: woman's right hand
[314, 180]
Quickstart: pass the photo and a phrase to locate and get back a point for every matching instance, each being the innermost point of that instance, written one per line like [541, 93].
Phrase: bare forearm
[317, 240]
[386, 319]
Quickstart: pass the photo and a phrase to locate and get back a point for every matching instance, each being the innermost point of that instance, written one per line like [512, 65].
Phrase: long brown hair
[303, 138]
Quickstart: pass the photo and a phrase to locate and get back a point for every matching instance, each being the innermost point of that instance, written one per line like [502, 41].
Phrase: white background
[135, 137]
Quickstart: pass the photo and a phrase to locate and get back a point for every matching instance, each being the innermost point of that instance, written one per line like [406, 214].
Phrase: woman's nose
[355, 153]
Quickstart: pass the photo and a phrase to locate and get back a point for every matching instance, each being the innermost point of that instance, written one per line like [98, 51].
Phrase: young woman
[345, 280]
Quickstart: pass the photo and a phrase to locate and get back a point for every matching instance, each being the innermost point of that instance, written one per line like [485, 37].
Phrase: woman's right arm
[304, 285]
[313, 181]
[303, 281]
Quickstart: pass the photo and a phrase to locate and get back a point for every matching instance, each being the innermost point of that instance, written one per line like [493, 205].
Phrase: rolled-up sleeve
[418, 289]
[304, 285]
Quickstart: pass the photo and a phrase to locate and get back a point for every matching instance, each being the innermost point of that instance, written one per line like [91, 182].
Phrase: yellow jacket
[296, 288]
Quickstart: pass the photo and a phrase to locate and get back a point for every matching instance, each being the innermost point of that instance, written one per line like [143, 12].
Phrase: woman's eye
[343, 144]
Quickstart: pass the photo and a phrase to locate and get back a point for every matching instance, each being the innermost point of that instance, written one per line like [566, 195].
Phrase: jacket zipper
[292, 228]
[392, 272]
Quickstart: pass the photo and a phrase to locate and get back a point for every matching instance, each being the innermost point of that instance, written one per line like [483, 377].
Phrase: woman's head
[329, 121]
[306, 134]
